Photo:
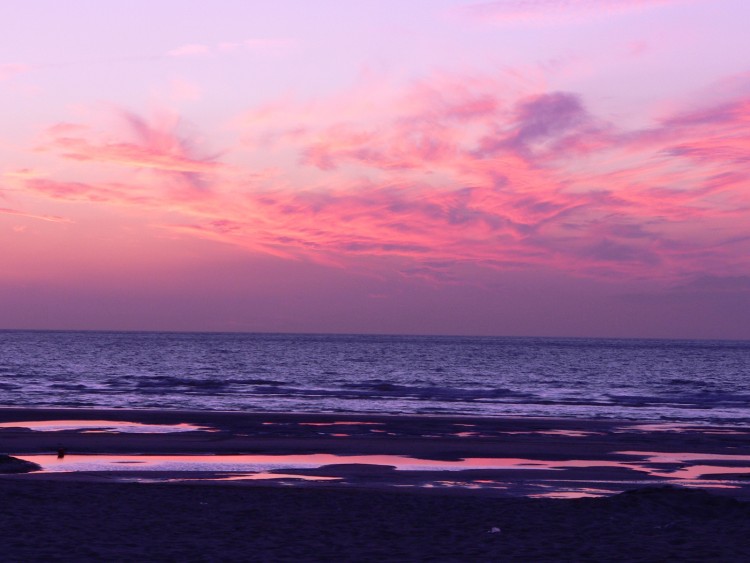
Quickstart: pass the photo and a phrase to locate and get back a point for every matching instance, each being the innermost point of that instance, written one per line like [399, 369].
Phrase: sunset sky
[511, 167]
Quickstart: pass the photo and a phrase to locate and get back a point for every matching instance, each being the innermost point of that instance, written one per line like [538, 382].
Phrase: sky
[510, 167]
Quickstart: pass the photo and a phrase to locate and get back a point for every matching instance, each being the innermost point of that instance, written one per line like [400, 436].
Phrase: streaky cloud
[155, 145]
[48, 218]
[447, 171]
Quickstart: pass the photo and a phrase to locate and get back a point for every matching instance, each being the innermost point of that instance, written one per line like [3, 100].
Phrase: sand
[53, 520]
[375, 512]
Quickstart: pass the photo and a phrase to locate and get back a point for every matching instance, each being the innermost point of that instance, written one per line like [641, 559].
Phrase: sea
[690, 381]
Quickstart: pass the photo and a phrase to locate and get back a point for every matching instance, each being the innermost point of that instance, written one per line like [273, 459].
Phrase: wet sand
[72, 521]
[375, 511]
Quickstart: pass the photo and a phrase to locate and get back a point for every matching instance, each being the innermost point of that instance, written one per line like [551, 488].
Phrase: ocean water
[695, 381]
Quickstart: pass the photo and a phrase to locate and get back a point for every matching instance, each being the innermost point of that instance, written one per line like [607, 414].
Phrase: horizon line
[373, 334]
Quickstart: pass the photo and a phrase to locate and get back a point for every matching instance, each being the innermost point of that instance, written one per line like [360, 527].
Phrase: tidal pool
[102, 426]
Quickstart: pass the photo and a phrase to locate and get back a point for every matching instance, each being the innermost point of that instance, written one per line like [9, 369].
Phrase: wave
[490, 376]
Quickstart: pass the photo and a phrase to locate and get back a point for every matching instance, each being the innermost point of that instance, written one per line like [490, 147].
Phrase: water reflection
[560, 432]
[339, 423]
[564, 478]
[265, 476]
[102, 426]
[247, 462]
[655, 464]
[573, 493]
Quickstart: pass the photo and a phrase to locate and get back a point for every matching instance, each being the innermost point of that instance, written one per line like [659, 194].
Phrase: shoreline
[639, 416]
[616, 413]
[474, 455]
[363, 511]
[10, 413]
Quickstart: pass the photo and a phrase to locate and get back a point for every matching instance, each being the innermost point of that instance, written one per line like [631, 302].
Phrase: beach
[268, 486]
[111, 522]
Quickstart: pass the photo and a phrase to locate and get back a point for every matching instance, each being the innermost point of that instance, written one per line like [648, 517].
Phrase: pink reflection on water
[687, 466]
[579, 493]
[568, 433]
[339, 423]
[110, 426]
[693, 471]
[243, 462]
[254, 463]
[697, 471]
[265, 476]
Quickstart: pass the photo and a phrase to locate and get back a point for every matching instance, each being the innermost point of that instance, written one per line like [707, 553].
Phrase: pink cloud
[22, 173]
[128, 155]
[460, 173]
[405, 146]
[99, 193]
[735, 112]
[643, 205]
[154, 145]
[721, 149]
[65, 128]
[48, 218]
[9, 70]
